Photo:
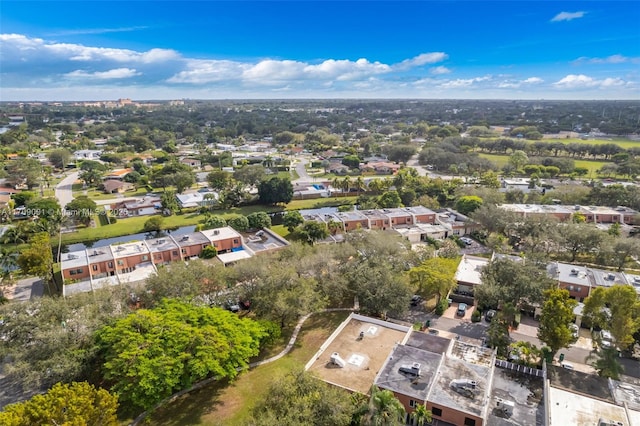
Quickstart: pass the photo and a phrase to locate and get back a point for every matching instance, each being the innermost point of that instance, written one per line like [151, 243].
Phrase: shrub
[442, 306]
[476, 316]
[209, 252]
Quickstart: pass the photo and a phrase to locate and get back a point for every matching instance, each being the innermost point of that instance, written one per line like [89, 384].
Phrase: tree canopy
[77, 403]
[555, 319]
[275, 190]
[154, 352]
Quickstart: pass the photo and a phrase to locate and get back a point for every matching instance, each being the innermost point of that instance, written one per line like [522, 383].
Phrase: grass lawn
[95, 194]
[230, 404]
[621, 142]
[317, 203]
[592, 166]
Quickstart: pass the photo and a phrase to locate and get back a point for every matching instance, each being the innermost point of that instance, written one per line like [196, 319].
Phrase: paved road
[63, 189]
[301, 170]
[25, 289]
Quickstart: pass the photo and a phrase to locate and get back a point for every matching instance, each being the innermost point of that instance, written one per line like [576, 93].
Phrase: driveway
[301, 170]
[63, 191]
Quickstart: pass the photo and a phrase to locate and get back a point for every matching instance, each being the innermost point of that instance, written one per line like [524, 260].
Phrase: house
[562, 213]
[458, 223]
[468, 273]
[191, 162]
[191, 245]
[377, 220]
[422, 232]
[380, 167]
[197, 199]
[136, 207]
[353, 220]
[224, 239]
[117, 174]
[87, 154]
[575, 279]
[163, 251]
[517, 184]
[75, 266]
[129, 256]
[102, 262]
[113, 186]
[338, 168]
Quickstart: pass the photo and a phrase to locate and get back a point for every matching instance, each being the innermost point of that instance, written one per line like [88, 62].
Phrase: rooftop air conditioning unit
[464, 384]
[412, 370]
[611, 277]
[574, 271]
[606, 422]
[505, 406]
[216, 232]
[336, 359]
[160, 242]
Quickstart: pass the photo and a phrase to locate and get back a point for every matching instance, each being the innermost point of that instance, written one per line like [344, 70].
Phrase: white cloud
[581, 81]
[38, 49]
[463, 82]
[613, 59]
[103, 75]
[568, 16]
[439, 70]
[533, 80]
[96, 31]
[200, 71]
[422, 59]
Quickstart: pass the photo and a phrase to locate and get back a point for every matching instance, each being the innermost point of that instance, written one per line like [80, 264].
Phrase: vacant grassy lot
[225, 403]
[592, 166]
[623, 143]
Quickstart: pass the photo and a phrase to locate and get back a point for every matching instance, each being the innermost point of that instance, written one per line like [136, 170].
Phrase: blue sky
[144, 50]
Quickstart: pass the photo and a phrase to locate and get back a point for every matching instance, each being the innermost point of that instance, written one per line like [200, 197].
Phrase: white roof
[233, 256]
[129, 249]
[469, 269]
[569, 408]
[221, 233]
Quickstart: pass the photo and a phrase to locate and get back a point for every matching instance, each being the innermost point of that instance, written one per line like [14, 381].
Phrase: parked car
[574, 330]
[415, 300]
[232, 306]
[489, 315]
[462, 309]
[467, 241]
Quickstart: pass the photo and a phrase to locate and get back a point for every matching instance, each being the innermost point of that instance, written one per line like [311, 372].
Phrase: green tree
[518, 159]
[154, 352]
[23, 197]
[300, 399]
[153, 224]
[312, 231]
[275, 190]
[556, 318]
[292, 219]
[259, 220]
[81, 209]
[421, 415]
[498, 334]
[240, 223]
[219, 179]
[434, 277]
[607, 362]
[212, 221]
[468, 204]
[37, 259]
[60, 158]
[209, 252]
[91, 177]
[615, 309]
[169, 202]
[579, 238]
[77, 403]
[390, 199]
[384, 409]
[250, 175]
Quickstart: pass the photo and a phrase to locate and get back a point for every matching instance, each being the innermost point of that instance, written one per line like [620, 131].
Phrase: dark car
[462, 309]
[489, 315]
[232, 306]
[415, 300]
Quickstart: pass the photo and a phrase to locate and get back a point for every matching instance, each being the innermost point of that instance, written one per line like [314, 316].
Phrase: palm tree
[346, 184]
[384, 409]
[421, 415]
[359, 184]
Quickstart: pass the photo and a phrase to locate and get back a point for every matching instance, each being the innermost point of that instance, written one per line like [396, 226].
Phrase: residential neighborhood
[480, 292]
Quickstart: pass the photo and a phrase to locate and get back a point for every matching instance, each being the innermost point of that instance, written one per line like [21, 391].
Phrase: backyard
[225, 403]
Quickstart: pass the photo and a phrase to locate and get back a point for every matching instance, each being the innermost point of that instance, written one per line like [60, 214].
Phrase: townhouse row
[579, 281]
[591, 214]
[463, 383]
[416, 223]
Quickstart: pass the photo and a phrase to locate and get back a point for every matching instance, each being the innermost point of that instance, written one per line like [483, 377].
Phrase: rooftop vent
[337, 360]
[463, 384]
[576, 207]
[505, 406]
[185, 238]
[160, 242]
[412, 370]
[574, 271]
[71, 256]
